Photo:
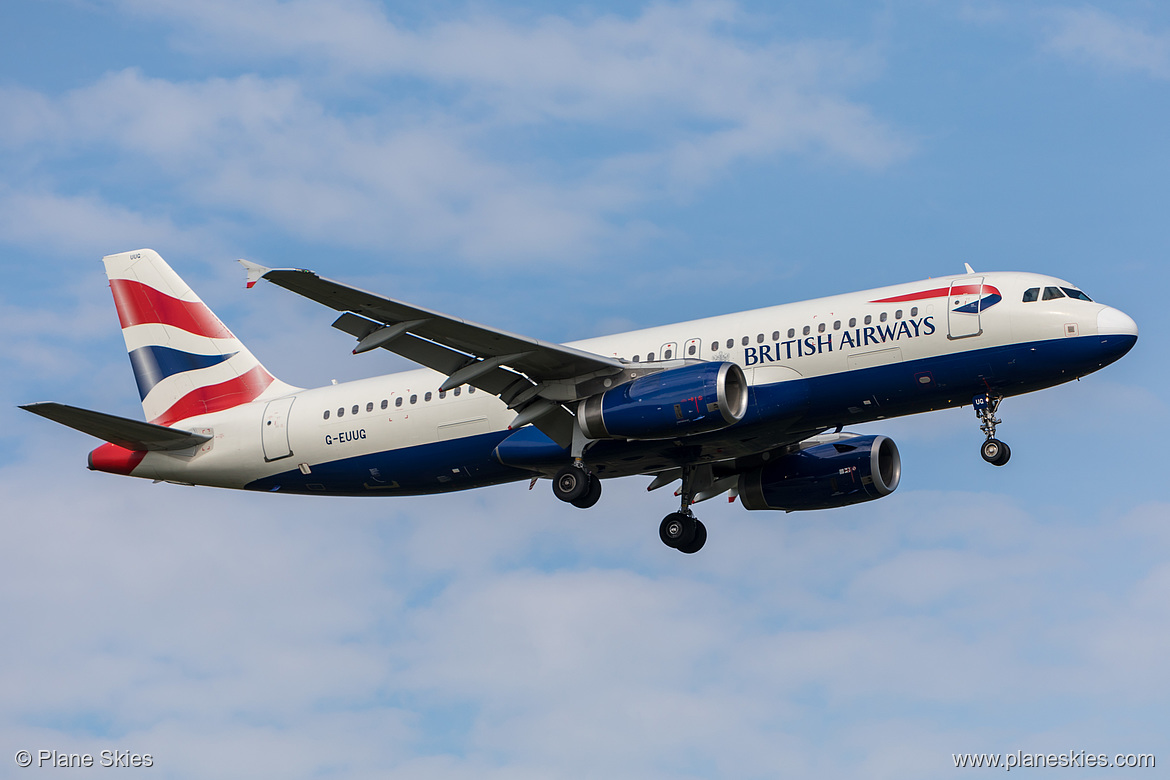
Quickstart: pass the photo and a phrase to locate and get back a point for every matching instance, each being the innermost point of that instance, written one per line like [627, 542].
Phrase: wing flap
[122, 431]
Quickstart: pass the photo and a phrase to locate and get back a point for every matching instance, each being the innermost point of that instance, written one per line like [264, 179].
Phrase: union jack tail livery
[186, 362]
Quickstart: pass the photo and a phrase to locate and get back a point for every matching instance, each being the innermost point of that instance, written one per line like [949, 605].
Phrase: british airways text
[849, 339]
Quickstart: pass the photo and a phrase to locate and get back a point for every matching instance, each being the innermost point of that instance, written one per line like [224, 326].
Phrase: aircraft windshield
[1075, 293]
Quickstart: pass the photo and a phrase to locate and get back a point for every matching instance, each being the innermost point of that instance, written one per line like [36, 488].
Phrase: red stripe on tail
[138, 303]
[214, 398]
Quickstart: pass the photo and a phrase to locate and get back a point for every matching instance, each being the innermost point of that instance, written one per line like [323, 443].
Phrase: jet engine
[825, 476]
[677, 402]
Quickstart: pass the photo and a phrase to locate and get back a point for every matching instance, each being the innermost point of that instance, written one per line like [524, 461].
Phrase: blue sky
[565, 172]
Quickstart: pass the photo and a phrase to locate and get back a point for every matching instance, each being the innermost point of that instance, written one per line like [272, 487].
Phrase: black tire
[696, 543]
[1004, 456]
[993, 452]
[592, 496]
[677, 529]
[571, 483]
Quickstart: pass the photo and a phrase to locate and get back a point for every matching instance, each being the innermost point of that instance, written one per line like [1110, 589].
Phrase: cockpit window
[1031, 294]
[1077, 294]
[1052, 292]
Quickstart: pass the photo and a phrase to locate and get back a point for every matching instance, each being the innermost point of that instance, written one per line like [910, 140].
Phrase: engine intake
[678, 402]
[825, 476]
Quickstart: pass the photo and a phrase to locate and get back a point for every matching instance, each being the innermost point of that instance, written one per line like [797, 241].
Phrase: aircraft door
[964, 308]
[274, 430]
[669, 351]
[693, 349]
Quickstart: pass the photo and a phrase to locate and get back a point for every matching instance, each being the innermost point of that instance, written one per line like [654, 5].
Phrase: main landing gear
[993, 450]
[682, 530]
[575, 485]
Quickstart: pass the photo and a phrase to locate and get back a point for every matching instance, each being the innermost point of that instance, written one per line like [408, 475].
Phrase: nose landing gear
[993, 450]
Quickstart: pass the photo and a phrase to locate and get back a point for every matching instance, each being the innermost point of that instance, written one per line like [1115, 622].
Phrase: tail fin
[186, 362]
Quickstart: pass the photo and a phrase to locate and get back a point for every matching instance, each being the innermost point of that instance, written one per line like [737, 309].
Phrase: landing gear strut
[993, 450]
[682, 530]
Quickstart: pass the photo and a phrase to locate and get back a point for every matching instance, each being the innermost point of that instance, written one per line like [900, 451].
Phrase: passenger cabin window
[898, 314]
[883, 317]
[714, 347]
[821, 328]
[1031, 294]
[385, 403]
[370, 406]
[868, 319]
[442, 394]
[398, 401]
[341, 412]
[667, 355]
[427, 397]
[326, 414]
[760, 339]
[791, 333]
[746, 340]
[692, 349]
[1076, 294]
[354, 410]
[414, 399]
[650, 357]
[837, 325]
[470, 390]
[775, 335]
[914, 312]
[460, 389]
[1051, 293]
[730, 343]
[853, 322]
[806, 330]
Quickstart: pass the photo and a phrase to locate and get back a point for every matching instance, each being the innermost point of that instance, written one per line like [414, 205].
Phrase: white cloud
[1100, 37]
[660, 104]
[500, 633]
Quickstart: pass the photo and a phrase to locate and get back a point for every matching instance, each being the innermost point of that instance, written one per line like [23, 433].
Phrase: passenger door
[274, 430]
[963, 308]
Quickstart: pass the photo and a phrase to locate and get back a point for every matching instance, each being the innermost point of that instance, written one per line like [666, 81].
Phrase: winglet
[970, 270]
[255, 271]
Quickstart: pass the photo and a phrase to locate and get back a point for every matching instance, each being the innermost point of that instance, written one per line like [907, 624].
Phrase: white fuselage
[834, 338]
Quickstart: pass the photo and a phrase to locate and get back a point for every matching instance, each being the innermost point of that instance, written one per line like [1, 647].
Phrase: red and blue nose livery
[958, 296]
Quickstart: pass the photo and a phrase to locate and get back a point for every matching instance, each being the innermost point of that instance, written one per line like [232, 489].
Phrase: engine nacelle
[825, 476]
[678, 402]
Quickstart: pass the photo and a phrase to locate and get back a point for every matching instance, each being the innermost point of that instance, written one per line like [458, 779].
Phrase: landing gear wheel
[678, 530]
[571, 483]
[697, 543]
[995, 452]
[592, 496]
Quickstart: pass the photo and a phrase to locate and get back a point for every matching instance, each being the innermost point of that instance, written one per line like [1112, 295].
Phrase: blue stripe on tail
[153, 364]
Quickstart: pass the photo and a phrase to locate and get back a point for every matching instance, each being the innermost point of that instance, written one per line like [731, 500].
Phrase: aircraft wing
[122, 431]
[530, 375]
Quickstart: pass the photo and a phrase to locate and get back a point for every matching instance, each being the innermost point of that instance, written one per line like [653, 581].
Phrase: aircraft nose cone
[1112, 322]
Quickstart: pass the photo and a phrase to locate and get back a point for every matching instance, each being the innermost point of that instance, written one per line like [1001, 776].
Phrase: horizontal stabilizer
[122, 431]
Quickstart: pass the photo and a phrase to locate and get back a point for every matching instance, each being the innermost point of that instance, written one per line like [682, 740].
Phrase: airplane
[750, 405]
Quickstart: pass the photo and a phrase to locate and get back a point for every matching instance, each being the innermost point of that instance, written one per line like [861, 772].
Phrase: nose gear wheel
[993, 450]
